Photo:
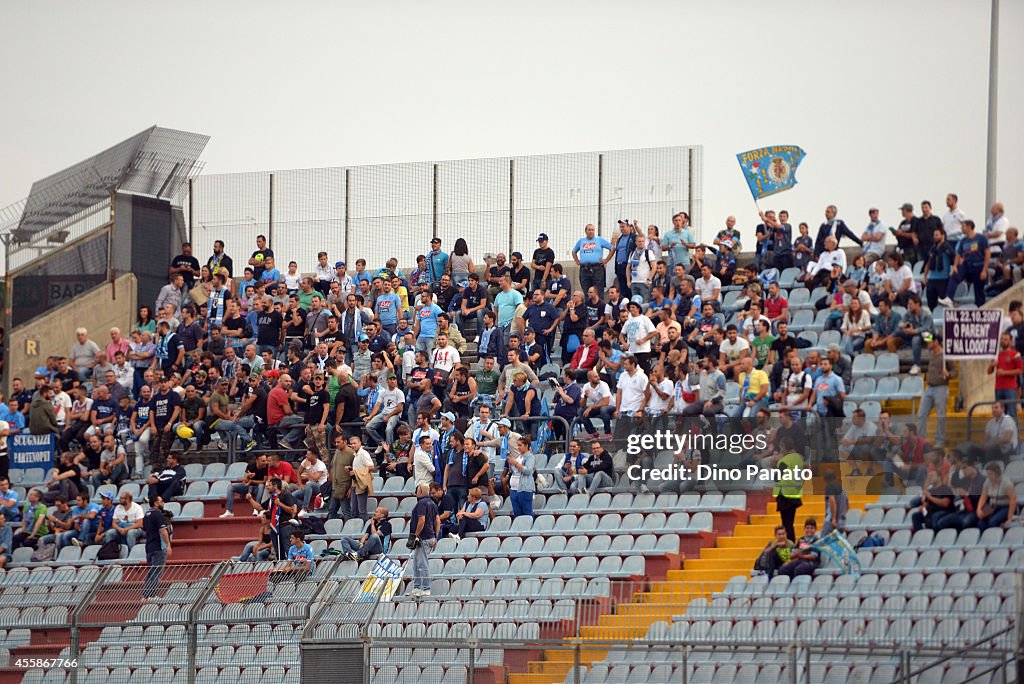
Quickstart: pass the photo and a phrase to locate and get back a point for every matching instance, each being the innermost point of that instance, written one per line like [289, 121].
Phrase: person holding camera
[424, 522]
[568, 395]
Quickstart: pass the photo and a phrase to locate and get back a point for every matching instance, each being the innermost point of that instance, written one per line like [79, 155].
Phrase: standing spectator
[259, 257]
[971, 265]
[172, 293]
[680, 240]
[953, 219]
[937, 268]
[460, 263]
[936, 393]
[83, 354]
[437, 261]
[41, 417]
[832, 227]
[362, 477]
[164, 410]
[629, 396]
[874, 238]
[219, 260]
[158, 546]
[588, 253]
[641, 267]
[1007, 367]
[424, 522]
[789, 493]
[998, 500]
[341, 478]
[185, 265]
[521, 479]
[281, 416]
[907, 233]
[623, 249]
[928, 223]
[837, 504]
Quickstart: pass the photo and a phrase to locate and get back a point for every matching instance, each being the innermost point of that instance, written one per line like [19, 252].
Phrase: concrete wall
[976, 385]
[53, 334]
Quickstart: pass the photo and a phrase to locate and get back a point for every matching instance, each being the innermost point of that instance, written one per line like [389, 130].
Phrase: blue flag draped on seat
[835, 546]
[769, 170]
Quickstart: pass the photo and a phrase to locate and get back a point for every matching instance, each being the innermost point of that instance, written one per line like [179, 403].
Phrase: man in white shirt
[1001, 432]
[61, 404]
[597, 401]
[483, 429]
[387, 412]
[444, 357]
[732, 349]
[832, 255]
[629, 396]
[313, 476]
[127, 527]
[423, 467]
[858, 441]
[657, 396]
[874, 238]
[709, 287]
[995, 227]
[750, 319]
[638, 331]
[953, 220]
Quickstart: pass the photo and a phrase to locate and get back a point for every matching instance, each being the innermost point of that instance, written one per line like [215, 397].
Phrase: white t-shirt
[389, 399]
[446, 358]
[319, 475]
[635, 328]
[953, 224]
[656, 405]
[127, 516]
[61, 405]
[706, 288]
[594, 395]
[825, 261]
[632, 388]
[732, 351]
[900, 276]
[795, 386]
[749, 331]
[422, 466]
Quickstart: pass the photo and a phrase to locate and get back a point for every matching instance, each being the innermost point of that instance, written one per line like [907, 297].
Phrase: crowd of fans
[370, 372]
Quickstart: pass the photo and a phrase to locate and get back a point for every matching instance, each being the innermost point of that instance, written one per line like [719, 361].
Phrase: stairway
[700, 578]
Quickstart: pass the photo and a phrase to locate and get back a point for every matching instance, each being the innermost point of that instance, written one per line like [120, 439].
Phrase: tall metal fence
[391, 210]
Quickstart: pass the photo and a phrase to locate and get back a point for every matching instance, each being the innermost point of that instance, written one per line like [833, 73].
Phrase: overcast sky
[887, 98]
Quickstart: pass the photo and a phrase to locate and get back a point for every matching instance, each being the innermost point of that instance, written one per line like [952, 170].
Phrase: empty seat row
[558, 545]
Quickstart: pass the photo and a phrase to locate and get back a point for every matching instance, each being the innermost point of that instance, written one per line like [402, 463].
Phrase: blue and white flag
[382, 581]
[769, 170]
[835, 546]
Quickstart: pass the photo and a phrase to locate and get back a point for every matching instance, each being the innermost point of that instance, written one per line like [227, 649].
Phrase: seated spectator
[998, 500]
[571, 464]
[936, 508]
[6, 542]
[474, 516]
[857, 443]
[804, 559]
[396, 458]
[59, 521]
[596, 402]
[376, 537]
[113, 464]
[913, 328]
[83, 524]
[596, 473]
[33, 521]
[300, 563]
[105, 517]
[167, 482]
[126, 524]
[253, 481]
[966, 483]
[9, 501]
[313, 476]
[258, 550]
[886, 326]
[775, 554]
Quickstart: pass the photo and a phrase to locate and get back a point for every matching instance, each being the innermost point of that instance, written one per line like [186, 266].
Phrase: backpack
[110, 550]
[314, 525]
[44, 552]
[870, 542]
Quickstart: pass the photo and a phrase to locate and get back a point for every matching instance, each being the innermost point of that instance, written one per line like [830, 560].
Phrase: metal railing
[1007, 403]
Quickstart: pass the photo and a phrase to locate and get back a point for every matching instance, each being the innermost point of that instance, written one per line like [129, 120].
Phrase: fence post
[600, 192]
[270, 217]
[193, 613]
[348, 232]
[367, 662]
[511, 204]
[690, 190]
[433, 212]
[75, 645]
[191, 208]
[1019, 646]
[576, 663]
[807, 665]
[905, 666]
[794, 661]
[685, 668]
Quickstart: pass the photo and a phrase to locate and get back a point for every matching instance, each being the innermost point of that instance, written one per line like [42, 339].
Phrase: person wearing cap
[832, 227]
[543, 259]
[589, 255]
[638, 332]
[936, 392]
[907, 233]
[437, 261]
